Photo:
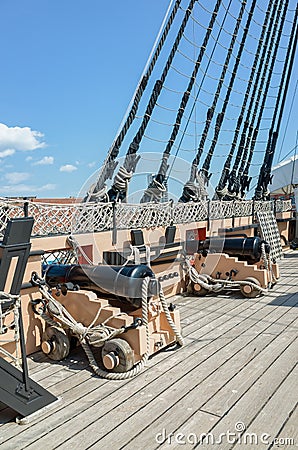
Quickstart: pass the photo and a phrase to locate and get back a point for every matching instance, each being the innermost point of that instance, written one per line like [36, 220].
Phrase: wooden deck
[238, 369]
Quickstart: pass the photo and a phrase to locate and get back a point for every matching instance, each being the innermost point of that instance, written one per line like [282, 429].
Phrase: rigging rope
[263, 62]
[190, 189]
[226, 174]
[245, 178]
[221, 115]
[110, 163]
[160, 177]
[116, 193]
[265, 173]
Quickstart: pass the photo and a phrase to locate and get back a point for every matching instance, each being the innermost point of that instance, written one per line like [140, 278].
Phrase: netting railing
[263, 206]
[54, 219]
[189, 212]
[283, 205]
[143, 215]
[91, 217]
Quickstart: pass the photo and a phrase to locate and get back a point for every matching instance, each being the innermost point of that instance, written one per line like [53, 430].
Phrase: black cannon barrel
[120, 282]
[248, 248]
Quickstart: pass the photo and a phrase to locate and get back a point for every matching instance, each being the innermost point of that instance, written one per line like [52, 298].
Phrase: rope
[265, 173]
[65, 319]
[190, 188]
[7, 296]
[190, 185]
[228, 93]
[194, 189]
[187, 92]
[207, 162]
[177, 333]
[153, 192]
[110, 164]
[254, 129]
[161, 175]
[72, 241]
[15, 300]
[141, 364]
[134, 145]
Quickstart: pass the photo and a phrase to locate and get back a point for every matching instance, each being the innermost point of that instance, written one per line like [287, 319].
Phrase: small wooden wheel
[55, 343]
[250, 291]
[199, 290]
[117, 355]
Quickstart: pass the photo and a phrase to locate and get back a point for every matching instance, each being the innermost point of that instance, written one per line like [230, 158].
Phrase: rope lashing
[267, 85]
[230, 87]
[218, 285]
[186, 95]
[134, 146]
[10, 303]
[110, 163]
[156, 188]
[252, 87]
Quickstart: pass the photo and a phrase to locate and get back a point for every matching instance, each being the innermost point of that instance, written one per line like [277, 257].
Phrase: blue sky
[69, 70]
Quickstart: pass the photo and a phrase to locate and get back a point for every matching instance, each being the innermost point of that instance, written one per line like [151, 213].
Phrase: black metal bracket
[17, 390]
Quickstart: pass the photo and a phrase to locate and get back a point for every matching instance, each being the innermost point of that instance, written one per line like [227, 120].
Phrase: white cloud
[46, 187]
[92, 164]
[16, 177]
[7, 152]
[29, 158]
[18, 138]
[26, 189]
[68, 168]
[45, 161]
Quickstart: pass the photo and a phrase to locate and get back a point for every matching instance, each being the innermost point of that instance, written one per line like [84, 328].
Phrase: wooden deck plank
[244, 305]
[195, 399]
[51, 372]
[165, 384]
[78, 393]
[289, 431]
[228, 395]
[284, 400]
[228, 340]
[256, 397]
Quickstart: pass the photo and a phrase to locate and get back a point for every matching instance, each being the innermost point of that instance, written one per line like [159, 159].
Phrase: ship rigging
[214, 91]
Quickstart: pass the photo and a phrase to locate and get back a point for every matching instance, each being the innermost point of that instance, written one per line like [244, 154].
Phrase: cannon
[244, 248]
[123, 283]
[232, 261]
[103, 306]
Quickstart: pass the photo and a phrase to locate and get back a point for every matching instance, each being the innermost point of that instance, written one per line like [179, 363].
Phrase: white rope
[154, 192]
[164, 305]
[72, 241]
[141, 364]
